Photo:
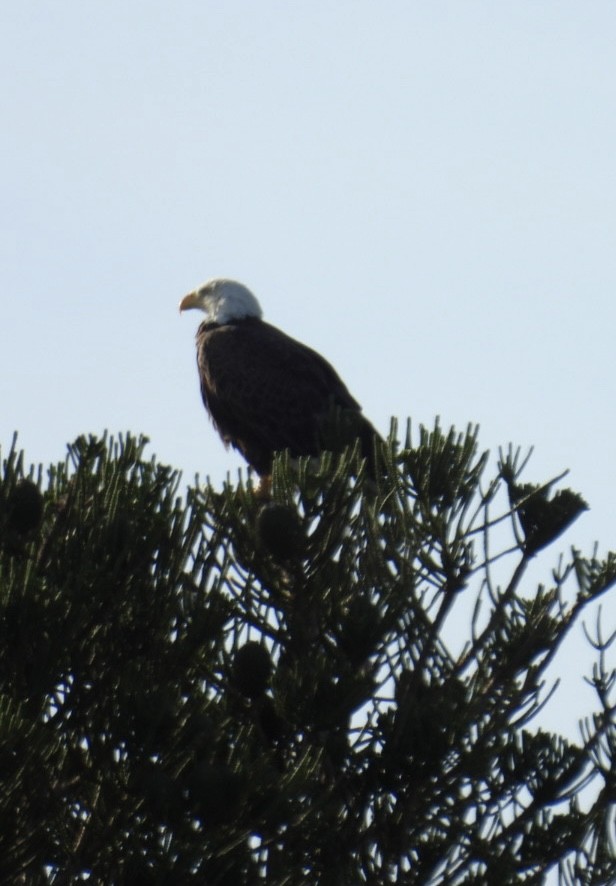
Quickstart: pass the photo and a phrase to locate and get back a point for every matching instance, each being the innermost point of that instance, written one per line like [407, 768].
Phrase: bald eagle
[265, 391]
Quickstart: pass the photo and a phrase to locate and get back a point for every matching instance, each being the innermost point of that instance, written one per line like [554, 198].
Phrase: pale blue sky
[424, 192]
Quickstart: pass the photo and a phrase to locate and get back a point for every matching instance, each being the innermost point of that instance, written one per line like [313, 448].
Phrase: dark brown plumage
[267, 392]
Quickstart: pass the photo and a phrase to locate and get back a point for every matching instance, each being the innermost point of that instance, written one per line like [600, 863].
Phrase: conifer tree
[204, 687]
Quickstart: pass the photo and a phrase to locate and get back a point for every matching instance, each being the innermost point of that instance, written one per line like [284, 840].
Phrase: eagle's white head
[223, 301]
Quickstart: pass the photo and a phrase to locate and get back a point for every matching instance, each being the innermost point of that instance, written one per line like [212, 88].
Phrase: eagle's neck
[210, 325]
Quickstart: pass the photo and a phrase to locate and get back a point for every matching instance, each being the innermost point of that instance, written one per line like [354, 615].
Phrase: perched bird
[265, 391]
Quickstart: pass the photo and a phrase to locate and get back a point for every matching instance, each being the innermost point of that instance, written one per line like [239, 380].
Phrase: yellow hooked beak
[192, 300]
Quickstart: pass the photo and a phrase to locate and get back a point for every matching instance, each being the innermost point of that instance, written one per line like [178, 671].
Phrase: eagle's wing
[267, 392]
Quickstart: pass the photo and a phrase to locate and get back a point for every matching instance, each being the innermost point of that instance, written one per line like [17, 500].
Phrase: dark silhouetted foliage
[198, 687]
